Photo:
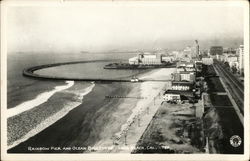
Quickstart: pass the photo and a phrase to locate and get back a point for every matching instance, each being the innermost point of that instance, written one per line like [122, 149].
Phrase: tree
[234, 69]
[227, 65]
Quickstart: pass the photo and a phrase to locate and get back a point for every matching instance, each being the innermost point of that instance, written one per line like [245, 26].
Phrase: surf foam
[41, 98]
[52, 119]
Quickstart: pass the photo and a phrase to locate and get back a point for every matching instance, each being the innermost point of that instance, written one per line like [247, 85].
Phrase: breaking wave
[55, 117]
[41, 98]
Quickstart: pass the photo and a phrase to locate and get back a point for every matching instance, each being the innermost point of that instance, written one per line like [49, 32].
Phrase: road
[234, 85]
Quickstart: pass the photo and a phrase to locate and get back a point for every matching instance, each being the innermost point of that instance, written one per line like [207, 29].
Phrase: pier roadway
[29, 72]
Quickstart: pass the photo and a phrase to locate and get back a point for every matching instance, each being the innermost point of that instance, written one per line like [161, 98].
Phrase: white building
[172, 97]
[187, 76]
[146, 59]
[177, 96]
[168, 59]
[133, 61]
[232, 61]
[207, 61]
[182, 86]
[241, 59]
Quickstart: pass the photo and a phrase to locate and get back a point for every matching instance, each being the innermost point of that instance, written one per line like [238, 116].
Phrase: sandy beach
[125, 138]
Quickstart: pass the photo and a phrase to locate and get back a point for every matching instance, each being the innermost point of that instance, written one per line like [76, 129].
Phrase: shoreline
[38, 100]
[141, 115]
[27, 124]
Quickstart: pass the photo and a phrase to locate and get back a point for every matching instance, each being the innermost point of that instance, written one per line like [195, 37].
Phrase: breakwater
[29, 72]
[125, 97]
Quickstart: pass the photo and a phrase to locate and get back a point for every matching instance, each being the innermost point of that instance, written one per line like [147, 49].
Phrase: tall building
[197, 49]
[241, 59]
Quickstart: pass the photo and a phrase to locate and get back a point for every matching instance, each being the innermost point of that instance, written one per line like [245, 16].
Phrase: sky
[117, 26]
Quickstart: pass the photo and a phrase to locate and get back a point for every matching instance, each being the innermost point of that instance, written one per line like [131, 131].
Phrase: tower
[197, 49]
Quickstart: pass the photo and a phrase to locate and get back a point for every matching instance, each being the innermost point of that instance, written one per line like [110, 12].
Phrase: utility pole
[138, 120]
[125, 138]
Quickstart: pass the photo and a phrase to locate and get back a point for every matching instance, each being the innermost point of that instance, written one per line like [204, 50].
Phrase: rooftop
[182, 82]
[186, 93]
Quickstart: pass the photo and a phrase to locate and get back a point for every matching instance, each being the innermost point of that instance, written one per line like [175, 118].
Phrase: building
[149, 59]
[196, 50]
[207, 60]
[241, 58]
[133, 61]
[177, 96]
[223, 57]
[187, 76]
[180, 69]
[182, 66]
[185, 71]
[172, 96]
[182, 85]
[233, 61]
[146, 59]
[168, 59]
[176, 77]
[231, 58]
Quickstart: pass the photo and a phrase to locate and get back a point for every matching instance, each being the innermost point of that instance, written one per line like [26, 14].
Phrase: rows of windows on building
[190, 62]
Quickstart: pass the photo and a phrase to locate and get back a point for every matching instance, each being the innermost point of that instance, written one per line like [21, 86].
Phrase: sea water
[29, 99]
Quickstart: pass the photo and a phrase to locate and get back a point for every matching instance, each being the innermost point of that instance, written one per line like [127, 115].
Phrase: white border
[5, 156]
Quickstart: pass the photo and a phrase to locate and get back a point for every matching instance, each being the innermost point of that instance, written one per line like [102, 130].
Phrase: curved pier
[29, 72]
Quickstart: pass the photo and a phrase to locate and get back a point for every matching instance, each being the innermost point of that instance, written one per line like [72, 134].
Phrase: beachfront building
[168, 59]
[180, 69]
[171, 96]
[207, 60]
[182, 66]
[187, 76]
[146, 59]
[184, 76]
[182, 85]
[133, 61]
[177, 96]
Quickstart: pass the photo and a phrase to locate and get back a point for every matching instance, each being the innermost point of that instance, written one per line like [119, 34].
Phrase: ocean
[60, 113]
